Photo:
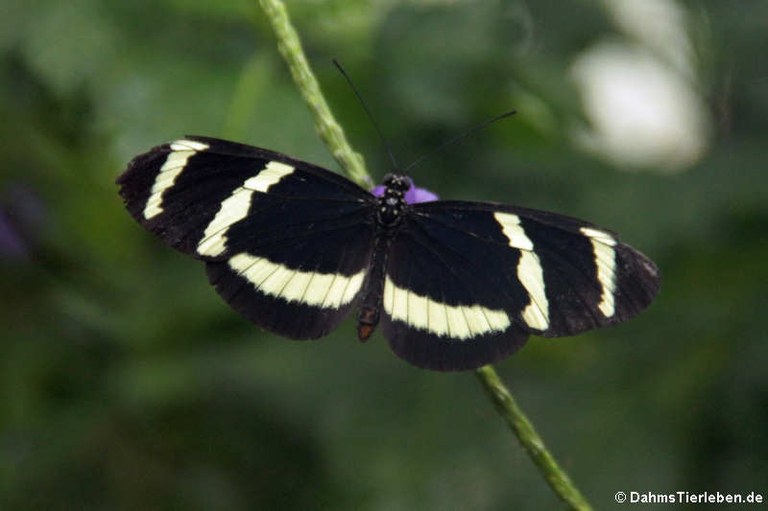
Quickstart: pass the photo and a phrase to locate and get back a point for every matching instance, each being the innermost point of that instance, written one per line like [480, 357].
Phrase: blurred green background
[127, 384]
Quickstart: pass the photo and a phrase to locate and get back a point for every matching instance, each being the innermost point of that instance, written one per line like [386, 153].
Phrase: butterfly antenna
[458, 137]
[384, 143]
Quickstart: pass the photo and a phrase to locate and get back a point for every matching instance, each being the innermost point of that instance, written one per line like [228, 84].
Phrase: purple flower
[414, 195]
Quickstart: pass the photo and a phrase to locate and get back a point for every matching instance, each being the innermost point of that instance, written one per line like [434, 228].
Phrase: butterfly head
[397, 183]
[401, 183]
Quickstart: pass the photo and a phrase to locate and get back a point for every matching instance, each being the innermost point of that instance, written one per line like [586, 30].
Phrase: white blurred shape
[640, 97]
[659, 25]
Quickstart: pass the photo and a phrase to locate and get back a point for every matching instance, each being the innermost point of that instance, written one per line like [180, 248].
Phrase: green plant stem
[330, 131]
[353, 164]
[507, 407]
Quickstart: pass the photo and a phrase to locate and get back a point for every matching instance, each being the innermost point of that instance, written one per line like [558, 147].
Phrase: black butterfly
[455, 285]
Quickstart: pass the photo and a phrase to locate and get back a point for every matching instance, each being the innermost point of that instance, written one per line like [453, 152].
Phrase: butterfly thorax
[392, 204]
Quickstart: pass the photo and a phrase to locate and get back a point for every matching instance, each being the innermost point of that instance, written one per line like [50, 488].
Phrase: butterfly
[454, 285]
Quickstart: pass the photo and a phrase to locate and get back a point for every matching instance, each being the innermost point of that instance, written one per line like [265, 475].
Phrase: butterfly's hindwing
[442, 307]
[296, 269]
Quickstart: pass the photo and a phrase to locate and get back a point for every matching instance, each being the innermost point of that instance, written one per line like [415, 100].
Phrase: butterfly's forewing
[467, 282]
[590, 278]
[287, 244]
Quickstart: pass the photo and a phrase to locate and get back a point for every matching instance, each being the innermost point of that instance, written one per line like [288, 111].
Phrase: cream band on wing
[324, 290]
[181, 151]
[605, 257]
[461, 322]
[235, 207]
[529, 271]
